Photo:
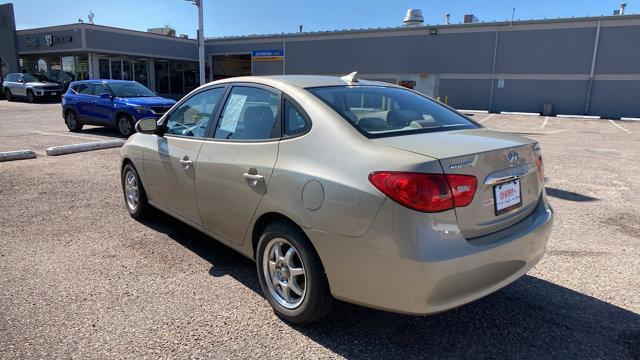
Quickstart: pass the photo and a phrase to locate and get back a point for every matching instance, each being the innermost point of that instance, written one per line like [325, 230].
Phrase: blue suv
[113, 103]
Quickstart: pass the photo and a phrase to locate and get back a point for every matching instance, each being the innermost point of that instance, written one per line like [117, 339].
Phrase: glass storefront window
[82, 67]
[176, 77]
[127, 74]
[162, 76]
[116, 69]
[191, 79]
[140, 71]
[105, 72]
[176, 74]
[69, 67]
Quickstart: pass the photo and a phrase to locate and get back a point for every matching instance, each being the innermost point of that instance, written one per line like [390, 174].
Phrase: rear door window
[85, 89]
[99, 89]
[249, 113]
[380, 111]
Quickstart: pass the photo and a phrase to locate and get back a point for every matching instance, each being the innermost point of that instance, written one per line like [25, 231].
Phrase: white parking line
[613, 122]
[546, 119]
[69, 135]
[487, 118]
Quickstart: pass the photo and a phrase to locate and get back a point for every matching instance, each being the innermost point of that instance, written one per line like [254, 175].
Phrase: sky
[243, 17]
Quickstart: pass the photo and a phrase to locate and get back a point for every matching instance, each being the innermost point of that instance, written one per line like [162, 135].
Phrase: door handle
[252, 179]
[186, 162]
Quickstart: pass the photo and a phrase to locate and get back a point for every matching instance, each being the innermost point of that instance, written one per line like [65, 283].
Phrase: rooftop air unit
[165, 30]
[413, 18]
[470, 19]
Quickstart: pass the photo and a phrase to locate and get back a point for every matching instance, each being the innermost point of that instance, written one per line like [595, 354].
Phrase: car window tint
[192, 116]
[294, 122]
[85, 89]
[249, 114]
[99, 89]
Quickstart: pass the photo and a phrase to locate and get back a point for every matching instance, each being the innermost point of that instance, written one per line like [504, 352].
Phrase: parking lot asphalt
[80, 278]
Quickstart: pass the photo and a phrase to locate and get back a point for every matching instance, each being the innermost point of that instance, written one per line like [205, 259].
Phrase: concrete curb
[590, 117]
[75, 148]
[629, 119]
[518, 113]
[474, 111]
[17, 155]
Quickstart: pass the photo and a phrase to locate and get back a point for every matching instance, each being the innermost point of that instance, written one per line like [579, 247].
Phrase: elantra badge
[460, 165]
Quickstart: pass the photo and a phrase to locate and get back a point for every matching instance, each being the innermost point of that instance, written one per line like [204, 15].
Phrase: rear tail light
[463, 188]
[426, 192]
[540, 166]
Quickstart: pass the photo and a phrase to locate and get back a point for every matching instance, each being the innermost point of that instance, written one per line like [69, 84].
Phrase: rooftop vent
[413, 18]
[470, 19]
[622, 6]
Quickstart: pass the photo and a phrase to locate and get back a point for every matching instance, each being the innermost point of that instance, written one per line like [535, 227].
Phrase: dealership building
[571, 66]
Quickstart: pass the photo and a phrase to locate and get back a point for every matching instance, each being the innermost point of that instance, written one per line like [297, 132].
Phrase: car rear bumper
[413, 263]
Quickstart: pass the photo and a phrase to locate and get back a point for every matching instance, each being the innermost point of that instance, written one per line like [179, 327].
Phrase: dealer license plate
[507, 196]
[54, 93]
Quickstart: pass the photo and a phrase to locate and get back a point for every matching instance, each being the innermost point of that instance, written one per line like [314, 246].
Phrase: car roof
[100, 81]
[308, 81]
[304, 81]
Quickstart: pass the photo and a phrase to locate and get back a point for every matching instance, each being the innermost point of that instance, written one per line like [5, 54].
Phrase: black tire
[142, 207]
[317, 300]
[72, 121]
[8, 95]
[125, 125]
[31, 97]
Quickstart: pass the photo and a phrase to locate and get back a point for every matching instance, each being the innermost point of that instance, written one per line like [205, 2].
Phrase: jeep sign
[30, 42]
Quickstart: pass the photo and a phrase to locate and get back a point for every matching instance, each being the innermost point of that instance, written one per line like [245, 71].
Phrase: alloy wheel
[124, 126]
[284, 273]
[132, 194]
[71, 120]
[30, 97]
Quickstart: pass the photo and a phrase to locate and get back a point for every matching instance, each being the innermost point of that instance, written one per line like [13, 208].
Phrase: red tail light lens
[425, 192]
[540, 166]
[463, 188]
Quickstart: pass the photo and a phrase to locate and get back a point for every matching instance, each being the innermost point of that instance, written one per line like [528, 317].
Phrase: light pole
[198, 3]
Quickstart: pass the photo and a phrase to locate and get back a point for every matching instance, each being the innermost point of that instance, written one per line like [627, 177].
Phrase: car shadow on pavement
[569, 195]
[101, 131]
[532, 318]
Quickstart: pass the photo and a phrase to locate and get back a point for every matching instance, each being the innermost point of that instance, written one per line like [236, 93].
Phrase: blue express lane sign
[267, 55]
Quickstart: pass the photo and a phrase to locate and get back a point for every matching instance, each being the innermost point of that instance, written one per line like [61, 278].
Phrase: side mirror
[147, 126]
[105, 96]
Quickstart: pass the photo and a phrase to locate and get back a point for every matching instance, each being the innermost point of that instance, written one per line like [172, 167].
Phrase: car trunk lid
[485, 154]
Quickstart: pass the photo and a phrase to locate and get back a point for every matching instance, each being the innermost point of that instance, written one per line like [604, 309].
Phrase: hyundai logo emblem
[513, 157]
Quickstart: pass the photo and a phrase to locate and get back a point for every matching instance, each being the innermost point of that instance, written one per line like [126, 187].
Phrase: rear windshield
[379, 111]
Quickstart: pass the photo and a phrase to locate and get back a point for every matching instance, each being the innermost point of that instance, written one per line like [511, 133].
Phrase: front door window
[192, 117]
